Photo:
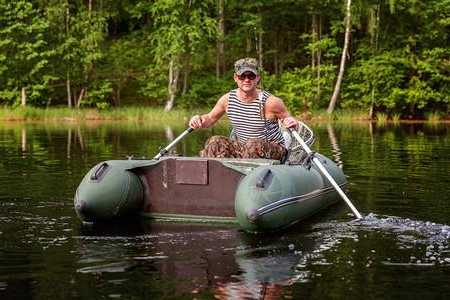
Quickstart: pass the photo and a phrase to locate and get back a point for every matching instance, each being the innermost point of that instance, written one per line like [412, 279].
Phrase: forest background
[180, 53]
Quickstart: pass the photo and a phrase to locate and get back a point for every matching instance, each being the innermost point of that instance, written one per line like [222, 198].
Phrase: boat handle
[263, 180]
[100, 171]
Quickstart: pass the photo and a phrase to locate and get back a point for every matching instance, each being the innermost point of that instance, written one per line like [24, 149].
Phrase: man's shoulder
[273, 98]
[223, 100]
[225, 96]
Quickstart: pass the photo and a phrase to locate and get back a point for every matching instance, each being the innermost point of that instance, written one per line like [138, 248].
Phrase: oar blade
[327, 175]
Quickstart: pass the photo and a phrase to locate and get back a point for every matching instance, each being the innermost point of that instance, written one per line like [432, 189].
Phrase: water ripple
[430, 239]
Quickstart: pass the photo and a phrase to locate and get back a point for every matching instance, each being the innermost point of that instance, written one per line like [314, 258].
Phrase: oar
[327, 175]
[173, 143]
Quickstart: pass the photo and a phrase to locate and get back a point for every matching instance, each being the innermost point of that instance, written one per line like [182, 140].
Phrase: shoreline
[150, 114]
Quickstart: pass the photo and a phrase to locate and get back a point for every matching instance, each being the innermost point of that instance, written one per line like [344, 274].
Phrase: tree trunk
[375, 19]
[69, 93]
[220, 64]
[337, 87]
[24, 97]
[173, 82]
[90, 8]
[90, 66]
[260, 49]
[187, 72]
[319, 54]
[372, 104]
[80, 97]
[276, 54]
[314, 40]
[118, 97]
[248, 45]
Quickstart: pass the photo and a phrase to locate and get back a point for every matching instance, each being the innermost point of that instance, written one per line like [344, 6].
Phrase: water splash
[430, 239]
[426, 232]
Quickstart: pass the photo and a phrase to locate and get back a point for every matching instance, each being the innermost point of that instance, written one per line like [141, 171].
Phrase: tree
[182, 28]
[24, 53]
[220, 63]
[337, 87]
[394, 55]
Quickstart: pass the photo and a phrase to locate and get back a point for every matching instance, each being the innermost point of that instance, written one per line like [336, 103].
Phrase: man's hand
[196, 122]
[289, 122]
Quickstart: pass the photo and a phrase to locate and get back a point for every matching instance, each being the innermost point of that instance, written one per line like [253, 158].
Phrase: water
[398, 178]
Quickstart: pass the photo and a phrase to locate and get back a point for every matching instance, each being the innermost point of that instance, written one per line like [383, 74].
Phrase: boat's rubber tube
[274, 197]
[109, 191]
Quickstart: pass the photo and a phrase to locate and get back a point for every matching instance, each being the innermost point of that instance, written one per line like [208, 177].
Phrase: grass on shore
[80, 115]
[339, 116]
[152, 114]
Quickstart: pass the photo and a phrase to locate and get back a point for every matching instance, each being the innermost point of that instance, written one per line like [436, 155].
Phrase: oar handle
[173, 143]
[336, 186]
[327, 174]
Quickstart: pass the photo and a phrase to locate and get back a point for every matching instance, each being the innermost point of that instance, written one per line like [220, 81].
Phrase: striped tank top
[248, 121]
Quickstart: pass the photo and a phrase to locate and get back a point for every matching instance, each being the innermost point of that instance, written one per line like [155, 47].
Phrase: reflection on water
[235, 265]
[198, 257]
[336, 150]
[397, 177]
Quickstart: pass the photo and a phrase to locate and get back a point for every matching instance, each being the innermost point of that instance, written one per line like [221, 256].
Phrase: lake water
[398, 178]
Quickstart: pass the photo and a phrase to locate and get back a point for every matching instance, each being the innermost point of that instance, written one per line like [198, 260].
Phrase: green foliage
[398, 62]
[181, 29]
[25, 53]
[381, 118]
[373, 80]
[98, 95]
[301, 89]
[395, 118]
[205, 91]
[124, 64]
[326, 45]
[399, 81]
[153, 84]
[10, 96]
[433, 117]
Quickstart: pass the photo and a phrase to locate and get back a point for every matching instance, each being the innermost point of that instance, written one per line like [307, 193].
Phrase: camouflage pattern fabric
[221, 146]
[246, 65]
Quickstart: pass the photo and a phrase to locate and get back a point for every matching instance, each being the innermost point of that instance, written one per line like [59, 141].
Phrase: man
[254, 116]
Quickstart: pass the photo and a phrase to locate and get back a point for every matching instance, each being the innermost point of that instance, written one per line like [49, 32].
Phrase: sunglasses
[249, 75]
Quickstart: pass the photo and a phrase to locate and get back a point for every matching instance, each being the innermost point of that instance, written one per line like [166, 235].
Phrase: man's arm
[275, 109]
[209, 119]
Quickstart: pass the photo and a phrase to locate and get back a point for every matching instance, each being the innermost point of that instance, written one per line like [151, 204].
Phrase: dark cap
[246, 65]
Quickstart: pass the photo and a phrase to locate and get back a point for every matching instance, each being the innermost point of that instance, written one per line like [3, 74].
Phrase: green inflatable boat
[259, 194]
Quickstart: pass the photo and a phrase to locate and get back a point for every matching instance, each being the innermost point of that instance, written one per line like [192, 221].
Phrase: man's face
[247, 81]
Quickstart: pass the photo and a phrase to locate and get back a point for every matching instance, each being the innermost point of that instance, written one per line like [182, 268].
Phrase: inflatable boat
[258, 194]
